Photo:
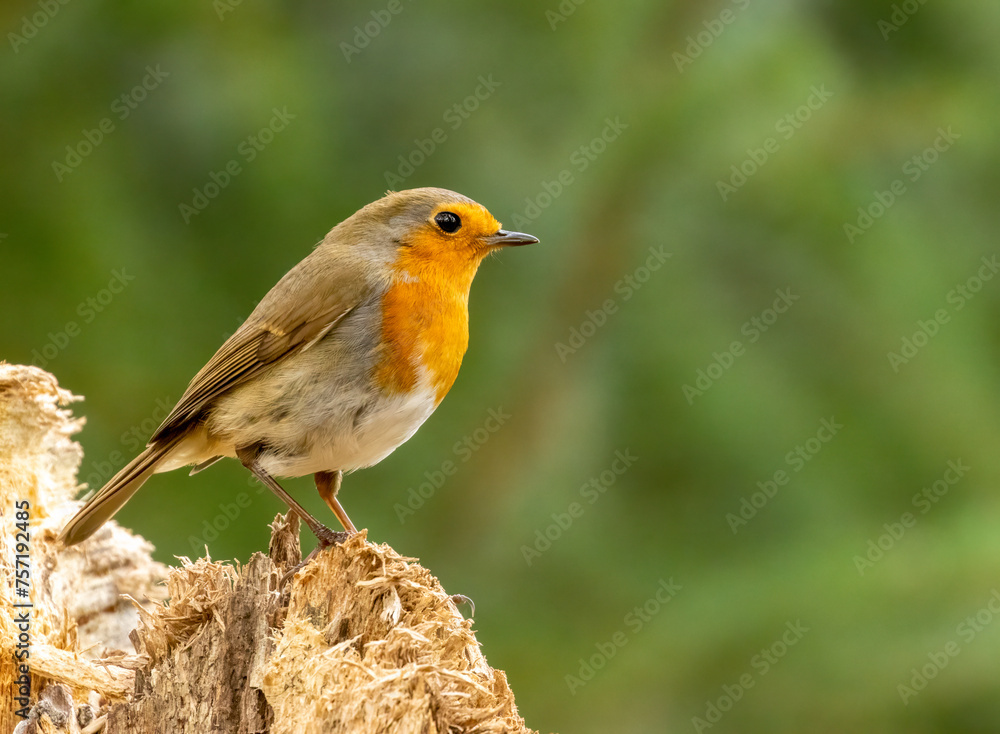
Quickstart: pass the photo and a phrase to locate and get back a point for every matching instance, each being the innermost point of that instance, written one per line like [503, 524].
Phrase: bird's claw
[328, 537]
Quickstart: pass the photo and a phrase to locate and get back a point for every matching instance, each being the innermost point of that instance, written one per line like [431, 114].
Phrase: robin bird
[340, 362]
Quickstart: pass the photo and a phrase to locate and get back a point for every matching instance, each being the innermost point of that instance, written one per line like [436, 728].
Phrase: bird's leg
[248, 456]
[328, 484]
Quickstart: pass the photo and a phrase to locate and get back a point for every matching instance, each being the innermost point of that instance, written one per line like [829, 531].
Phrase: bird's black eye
[448, 222]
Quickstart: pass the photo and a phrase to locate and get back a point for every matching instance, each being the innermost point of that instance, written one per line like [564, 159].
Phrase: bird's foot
[327, 538]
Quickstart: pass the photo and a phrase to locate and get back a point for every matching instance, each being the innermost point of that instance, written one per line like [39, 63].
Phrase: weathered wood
[75, 595]
[360, 640]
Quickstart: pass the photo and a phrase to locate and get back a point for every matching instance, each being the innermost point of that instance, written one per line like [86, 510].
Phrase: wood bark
[359, 640]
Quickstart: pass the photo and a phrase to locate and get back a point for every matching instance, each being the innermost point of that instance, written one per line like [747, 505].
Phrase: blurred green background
[828, 169]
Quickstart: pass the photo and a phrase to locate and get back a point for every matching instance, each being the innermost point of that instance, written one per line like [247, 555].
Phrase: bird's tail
[103, 505]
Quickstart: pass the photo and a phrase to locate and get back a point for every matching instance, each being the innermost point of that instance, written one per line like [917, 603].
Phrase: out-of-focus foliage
[649, 270]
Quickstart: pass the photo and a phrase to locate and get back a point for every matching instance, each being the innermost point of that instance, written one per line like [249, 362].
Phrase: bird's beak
[503, 238]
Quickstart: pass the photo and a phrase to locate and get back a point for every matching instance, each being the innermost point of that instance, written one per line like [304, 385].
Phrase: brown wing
[299, 311]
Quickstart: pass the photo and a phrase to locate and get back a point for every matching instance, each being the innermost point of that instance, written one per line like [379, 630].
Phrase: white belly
[319, 439]
[389, 423]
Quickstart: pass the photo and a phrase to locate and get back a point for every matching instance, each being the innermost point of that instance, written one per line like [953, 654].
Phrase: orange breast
[425, 323]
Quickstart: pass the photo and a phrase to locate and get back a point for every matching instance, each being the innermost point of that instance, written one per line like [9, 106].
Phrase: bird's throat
[425, 323]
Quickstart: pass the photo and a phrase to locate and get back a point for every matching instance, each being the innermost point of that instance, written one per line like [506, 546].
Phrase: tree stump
[360, 640]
